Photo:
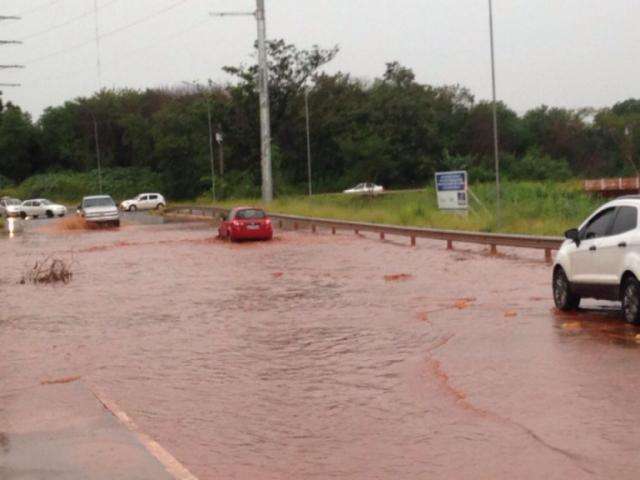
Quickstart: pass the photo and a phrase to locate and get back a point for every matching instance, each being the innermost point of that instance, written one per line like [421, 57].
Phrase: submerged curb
[168, 461]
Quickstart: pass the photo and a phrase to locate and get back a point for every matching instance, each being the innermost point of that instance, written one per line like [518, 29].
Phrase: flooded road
[320, 356]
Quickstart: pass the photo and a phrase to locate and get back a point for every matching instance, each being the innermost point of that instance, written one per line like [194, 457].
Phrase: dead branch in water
[49, 270]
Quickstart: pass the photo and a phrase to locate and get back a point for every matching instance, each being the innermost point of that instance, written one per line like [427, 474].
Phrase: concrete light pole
[306, 108]
[496, 151]
[97, 141]
[220, 140]
[213, 173]
[200, 90]
[263, 87]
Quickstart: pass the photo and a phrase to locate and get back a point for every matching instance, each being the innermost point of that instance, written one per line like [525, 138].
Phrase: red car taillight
[267, 221]
[236, 224]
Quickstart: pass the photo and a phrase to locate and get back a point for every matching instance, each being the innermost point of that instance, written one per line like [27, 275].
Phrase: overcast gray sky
[570, 53]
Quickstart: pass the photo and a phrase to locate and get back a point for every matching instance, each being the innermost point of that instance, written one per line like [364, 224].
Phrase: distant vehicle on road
[144, 201]
[41, 207]
[601, 259]
[10, 207]
[246, 223]
[365, 189]
[99, 210]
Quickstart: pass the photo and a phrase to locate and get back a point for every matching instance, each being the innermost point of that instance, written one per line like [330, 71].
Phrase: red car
[246, 223]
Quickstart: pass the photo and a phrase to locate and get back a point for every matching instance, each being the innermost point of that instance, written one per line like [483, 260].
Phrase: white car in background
[144, 201]
[365, 189]
[99, 210]
[10, 207]
[41, 207]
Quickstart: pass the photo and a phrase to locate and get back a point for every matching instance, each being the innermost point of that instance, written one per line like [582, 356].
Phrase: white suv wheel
[631, 300]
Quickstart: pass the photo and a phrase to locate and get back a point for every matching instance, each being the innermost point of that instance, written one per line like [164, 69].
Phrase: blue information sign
[451, 188]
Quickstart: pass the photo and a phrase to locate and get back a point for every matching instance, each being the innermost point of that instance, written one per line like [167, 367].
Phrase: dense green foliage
[392, 130]
[543, 208]
[69, 186]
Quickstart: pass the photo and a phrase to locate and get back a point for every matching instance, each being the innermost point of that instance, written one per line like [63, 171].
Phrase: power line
[39, 7]
[145, 19]
[128, 54]
[107, 34]
[69, 21]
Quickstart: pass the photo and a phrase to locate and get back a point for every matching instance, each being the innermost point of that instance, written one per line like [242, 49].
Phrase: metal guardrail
[493, 240]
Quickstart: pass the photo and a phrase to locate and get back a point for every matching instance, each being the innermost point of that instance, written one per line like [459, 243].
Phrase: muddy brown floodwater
[329, 357]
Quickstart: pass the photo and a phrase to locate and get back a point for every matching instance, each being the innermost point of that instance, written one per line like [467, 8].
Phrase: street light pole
[306, 108]
[200, 90]
[95, 136]
[496, 153]
[220, 140]
[213, 174]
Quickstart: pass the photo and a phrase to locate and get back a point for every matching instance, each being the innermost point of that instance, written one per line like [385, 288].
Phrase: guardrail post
[295, 225]
[449, 244]
[357, 231]
[333, 230]
[413, 240]
[494, 249]
[313, 228]
[547, 255]
[279, 223]
[381, 235]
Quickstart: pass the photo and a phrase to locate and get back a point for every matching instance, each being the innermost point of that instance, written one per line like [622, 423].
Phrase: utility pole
[265, 121]
[306, 108]
[496, 153]
[263, 86]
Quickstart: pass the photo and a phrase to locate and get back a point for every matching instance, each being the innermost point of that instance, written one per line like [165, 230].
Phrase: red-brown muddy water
[319, 356]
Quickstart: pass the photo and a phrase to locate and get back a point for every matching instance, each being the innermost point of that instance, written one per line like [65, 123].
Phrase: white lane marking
[170, 463]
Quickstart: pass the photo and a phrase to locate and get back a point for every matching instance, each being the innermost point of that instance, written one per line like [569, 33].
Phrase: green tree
[19, 144]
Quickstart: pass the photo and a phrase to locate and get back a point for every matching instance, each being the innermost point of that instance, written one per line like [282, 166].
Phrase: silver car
[100, 209]
[41, 207]
[10, 207]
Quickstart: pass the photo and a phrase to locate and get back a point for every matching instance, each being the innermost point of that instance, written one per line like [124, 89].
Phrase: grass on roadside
[536, 208]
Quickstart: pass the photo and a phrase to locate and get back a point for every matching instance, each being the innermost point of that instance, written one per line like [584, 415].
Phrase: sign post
[452, 191]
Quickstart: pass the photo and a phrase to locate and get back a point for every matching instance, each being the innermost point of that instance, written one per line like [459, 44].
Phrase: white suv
[601, 259]
[144, 201]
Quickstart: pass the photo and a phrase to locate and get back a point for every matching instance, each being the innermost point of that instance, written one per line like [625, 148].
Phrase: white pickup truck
[100, 210]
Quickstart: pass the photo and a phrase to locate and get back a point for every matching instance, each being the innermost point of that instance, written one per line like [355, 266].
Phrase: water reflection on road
[329, 357]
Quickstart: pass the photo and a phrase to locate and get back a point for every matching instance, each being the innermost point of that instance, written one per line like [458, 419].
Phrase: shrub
[537, 166]
[70, 186]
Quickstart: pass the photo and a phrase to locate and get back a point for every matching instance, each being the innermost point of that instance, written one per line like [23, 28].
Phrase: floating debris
[49, 270]
[397, 277]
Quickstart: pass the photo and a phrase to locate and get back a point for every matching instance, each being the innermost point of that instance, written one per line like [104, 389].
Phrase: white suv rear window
[626, 220]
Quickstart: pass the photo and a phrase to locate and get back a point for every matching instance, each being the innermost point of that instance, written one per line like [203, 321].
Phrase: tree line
[392, 130]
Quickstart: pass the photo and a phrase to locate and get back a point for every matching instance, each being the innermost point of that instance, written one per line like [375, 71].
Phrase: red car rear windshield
[250, 214]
